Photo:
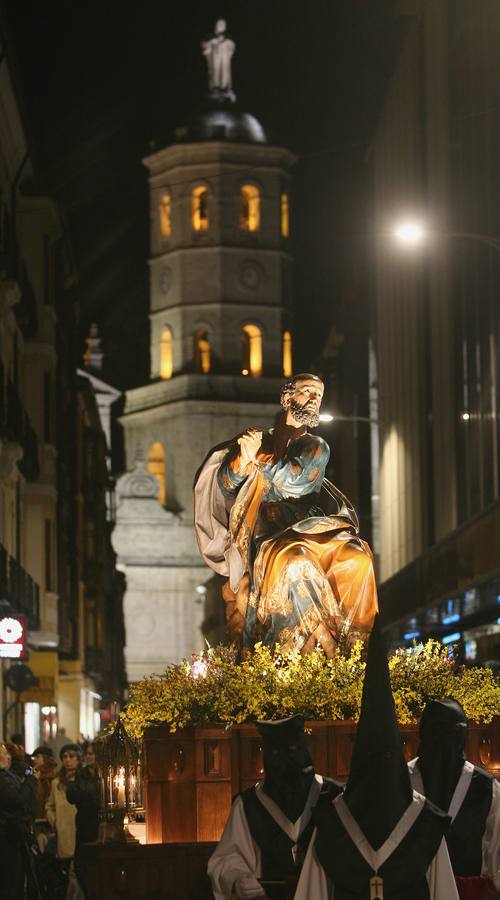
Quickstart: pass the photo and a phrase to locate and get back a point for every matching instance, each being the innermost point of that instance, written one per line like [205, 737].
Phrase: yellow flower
[269, 683]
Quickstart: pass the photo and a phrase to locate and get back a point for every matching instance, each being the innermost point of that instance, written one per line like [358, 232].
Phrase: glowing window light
[285, 216]
[287, 354]
[448, 620]
[166, 215]
[166, 357]
[451, 638]
[199, 208]
[252, 351]
[156, 467]
[410, 635]
[203, 357]
[471, 649]
[249, 208]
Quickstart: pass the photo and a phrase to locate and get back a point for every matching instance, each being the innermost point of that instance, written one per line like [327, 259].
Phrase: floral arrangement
[214, 687]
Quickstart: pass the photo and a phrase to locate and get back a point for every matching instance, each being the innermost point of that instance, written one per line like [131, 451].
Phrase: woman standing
[44, 771]
[61, 814]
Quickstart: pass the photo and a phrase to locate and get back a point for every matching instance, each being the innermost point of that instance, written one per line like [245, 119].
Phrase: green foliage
[213, 687]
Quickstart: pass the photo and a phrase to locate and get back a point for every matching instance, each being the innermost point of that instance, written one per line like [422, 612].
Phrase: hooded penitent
[283, 834]
[468, 793]
[288, 765]
[378, 768]
[377, 797]
[441, 753]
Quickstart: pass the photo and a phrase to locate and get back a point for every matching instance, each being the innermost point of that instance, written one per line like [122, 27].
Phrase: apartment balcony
[13, 270]
[19, 594]
[16, 428]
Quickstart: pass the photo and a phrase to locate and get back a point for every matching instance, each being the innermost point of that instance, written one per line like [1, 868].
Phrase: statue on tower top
[218, 51]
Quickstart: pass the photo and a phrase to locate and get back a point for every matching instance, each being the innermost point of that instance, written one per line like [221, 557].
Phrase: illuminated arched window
[252, 351]
[202, 351]
[156, 466]
[166, 362]
[166, 215]
[249, 208]
[285, 216]
[199, 208]
[287, 354]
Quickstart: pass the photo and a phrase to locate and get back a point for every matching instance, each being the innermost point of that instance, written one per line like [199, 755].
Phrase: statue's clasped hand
[250, 443]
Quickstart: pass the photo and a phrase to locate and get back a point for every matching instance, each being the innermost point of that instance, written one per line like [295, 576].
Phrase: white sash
[292, 829]
[460, 792]
[376, 858]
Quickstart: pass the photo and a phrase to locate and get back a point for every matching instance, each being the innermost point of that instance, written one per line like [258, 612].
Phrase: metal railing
[19, 593]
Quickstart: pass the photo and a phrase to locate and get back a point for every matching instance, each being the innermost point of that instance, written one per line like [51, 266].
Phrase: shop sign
[12, 637]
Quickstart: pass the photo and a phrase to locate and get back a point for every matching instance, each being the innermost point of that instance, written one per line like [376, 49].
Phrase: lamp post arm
[473, 236]
[355, 419]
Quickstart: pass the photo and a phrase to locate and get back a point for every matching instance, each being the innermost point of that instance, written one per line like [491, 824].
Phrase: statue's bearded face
[305, 402]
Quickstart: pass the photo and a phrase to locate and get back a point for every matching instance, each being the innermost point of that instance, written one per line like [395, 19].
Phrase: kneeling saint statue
[298, 574]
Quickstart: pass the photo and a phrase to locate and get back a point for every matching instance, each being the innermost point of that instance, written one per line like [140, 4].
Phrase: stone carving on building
[250, 274]
[165, 280]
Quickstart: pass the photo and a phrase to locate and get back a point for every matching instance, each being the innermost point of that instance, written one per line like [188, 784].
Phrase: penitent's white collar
[292, 829]
[460, 792]
[376, 858]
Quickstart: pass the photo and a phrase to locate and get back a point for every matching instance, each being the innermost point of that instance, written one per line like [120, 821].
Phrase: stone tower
[220, 296]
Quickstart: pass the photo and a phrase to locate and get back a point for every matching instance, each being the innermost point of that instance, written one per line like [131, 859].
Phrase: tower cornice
[218, 152]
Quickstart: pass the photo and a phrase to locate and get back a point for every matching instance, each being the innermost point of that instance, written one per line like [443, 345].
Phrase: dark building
[54, 480]
[434, 170]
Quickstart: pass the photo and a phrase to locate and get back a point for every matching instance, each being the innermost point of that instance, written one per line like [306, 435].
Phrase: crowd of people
[49, 807]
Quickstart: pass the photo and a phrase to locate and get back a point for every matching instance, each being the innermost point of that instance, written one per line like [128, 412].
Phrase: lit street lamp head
[409, 233]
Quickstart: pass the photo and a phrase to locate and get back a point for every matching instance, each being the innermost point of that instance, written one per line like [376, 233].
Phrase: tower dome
[219, 119]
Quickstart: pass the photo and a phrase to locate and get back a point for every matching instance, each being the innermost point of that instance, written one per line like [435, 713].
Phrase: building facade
[53, 464]
[220, 296]
[437, 328]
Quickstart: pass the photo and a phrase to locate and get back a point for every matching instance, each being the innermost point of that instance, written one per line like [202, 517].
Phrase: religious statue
[218, 51]
[286, 539]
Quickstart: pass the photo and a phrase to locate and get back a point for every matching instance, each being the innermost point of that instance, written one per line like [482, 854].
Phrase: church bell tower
[221, 345]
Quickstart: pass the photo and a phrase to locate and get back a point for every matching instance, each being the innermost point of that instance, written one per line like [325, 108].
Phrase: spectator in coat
[13, 829]
[83, 792]
[62, 815]
[44, 772]
[24, 774]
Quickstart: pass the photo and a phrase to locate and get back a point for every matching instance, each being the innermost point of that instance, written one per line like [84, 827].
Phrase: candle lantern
[120, 774]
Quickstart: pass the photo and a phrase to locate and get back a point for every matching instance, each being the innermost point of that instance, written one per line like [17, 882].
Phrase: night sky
[100, 82]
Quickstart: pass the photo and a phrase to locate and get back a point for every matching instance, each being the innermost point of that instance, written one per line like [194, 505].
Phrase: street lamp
[412, 233]
[409, 233]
